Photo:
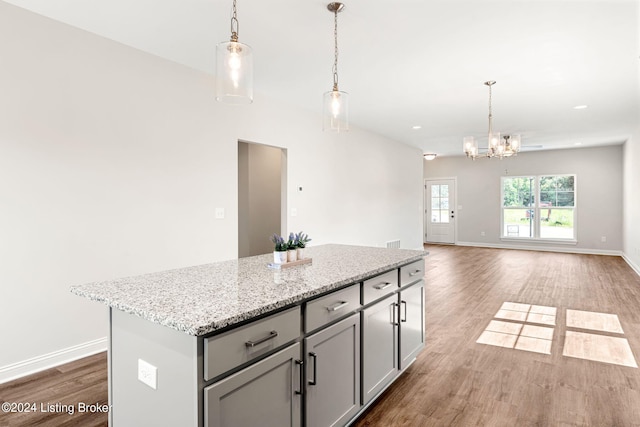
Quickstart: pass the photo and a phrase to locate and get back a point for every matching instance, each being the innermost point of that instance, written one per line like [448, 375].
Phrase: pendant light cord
[490, 115]
[335, 60]
[235, 26]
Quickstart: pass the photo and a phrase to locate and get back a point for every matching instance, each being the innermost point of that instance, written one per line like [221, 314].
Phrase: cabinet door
[264, 394]
[411, 323]
[333, 374]
[379, 346]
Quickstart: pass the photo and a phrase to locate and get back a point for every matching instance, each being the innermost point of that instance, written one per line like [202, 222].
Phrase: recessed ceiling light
[416, 127]
[580, 107]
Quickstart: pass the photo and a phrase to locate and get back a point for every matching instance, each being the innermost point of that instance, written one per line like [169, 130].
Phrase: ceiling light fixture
[430, 156]
[234, 70]
[335, 104]
[416, 127]
[496, 147]
[580, 107]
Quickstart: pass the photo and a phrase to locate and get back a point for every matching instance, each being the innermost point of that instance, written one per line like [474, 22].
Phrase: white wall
[632, 201]
[113, 162]
[599, 194]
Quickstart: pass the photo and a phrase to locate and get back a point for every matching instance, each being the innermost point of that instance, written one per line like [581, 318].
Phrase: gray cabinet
[333, 374]
[265, 394]
[379, 346]
[411, 322]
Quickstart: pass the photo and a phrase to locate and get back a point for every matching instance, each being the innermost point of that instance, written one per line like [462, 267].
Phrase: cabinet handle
[315, 368]
[415, 273]
[301, 364]
[393, 321]
[405, 311]
[271, 335]
[338, 306]
[382, 286]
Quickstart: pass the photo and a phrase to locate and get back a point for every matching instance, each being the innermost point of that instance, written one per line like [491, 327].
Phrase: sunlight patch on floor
[595, 321]
[521, 336]
[519, 328]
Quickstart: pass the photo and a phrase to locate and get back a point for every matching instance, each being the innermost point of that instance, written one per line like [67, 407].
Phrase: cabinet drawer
[412, 272]
[237, 346]
[331, 307]
[379, 286]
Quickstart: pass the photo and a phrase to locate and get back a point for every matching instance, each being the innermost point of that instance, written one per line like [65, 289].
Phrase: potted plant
[280, 249]
[301, 243]
[292, 247]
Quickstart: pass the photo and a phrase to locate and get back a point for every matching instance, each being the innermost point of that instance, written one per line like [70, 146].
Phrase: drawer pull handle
[382, 286]
[405, 311]
[338, 306]
[271, 336]
[301, 364]
[315, 368]
[415, 273]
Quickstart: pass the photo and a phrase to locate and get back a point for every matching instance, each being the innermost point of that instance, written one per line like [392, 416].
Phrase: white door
[440, 218]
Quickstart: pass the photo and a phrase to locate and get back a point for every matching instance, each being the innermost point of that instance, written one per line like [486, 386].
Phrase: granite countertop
[202, 299]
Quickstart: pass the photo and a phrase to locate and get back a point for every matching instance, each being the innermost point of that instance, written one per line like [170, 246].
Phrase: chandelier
[234, 68]
[335, 103]
[507, 146]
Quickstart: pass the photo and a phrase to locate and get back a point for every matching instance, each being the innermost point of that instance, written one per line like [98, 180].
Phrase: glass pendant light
[335, 103]
[234, 68]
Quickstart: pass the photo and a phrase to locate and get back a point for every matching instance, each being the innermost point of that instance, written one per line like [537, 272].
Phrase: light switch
[219, 213]
[294, 211]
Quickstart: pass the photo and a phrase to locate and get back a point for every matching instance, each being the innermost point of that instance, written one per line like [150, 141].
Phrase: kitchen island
[238, 343]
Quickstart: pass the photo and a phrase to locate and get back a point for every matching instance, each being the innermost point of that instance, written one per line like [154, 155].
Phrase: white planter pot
[291, 255]
[279, 257]
[300, 253]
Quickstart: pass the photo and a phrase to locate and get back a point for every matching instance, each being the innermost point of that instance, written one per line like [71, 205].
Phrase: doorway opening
[262, 196]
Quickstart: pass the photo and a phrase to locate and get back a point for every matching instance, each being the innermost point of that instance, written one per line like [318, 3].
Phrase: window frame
[538, 210]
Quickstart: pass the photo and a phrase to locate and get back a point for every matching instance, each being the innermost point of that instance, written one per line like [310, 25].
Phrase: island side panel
[175, 401]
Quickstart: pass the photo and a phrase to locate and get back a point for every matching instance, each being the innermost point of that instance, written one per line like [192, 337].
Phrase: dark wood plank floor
[81, 382]
[456, 382]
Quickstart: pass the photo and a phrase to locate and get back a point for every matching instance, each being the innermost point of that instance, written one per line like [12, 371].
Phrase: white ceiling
[412, 62]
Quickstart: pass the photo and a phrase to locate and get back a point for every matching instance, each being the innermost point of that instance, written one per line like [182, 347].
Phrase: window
[539, 207]
[439, 203]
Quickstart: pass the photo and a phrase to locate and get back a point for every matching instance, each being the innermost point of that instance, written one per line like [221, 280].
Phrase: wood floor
[83, 381]
[456, 381]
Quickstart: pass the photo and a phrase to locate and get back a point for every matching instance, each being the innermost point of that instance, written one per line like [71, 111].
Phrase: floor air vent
[393, 244]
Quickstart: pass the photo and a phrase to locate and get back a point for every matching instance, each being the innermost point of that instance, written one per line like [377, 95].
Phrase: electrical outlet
[294, 211]
[603, 239]
[482, 233]
[219, 213]
[148, 374]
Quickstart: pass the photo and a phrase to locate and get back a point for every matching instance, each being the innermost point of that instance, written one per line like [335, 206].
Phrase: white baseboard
[565, 249]
[50, 360]
[635, 267]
